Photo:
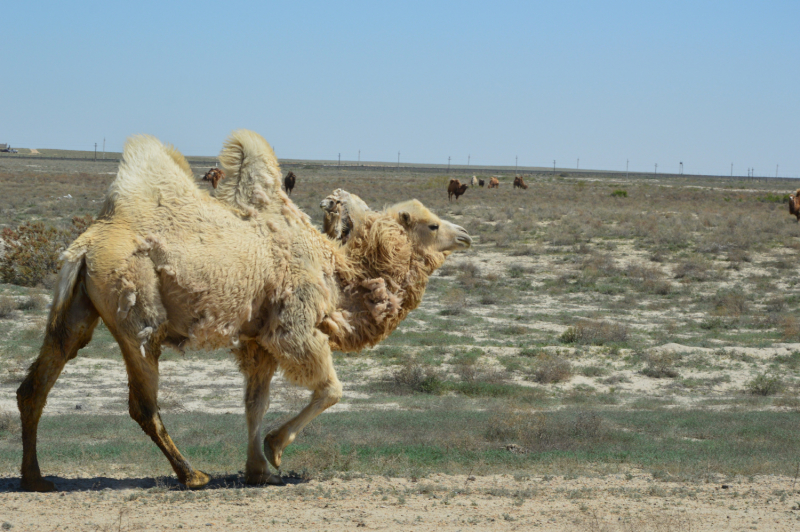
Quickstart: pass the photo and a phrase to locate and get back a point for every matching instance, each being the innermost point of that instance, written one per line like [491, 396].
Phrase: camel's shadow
[11, 484]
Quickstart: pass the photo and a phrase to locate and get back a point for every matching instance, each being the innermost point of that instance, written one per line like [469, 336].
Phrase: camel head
[427, 232]
[342, 212]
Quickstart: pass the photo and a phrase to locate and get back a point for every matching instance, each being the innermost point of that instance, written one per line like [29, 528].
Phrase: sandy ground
[439, 502]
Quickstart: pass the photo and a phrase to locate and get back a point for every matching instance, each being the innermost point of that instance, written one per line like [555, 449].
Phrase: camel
[474, 181]
[794, 204]
[341, 211]
[166, 264]
[215, 175]
[455, 188]
[494, 183]
[288, 182]
[520, 183]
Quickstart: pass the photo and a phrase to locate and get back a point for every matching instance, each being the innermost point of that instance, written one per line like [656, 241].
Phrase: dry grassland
[617, 356]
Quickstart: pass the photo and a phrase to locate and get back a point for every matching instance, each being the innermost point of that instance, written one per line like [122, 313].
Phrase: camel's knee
[330, 394]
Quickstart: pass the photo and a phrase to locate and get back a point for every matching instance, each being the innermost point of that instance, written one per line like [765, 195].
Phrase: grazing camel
[167, 264]
[494, 183]
[215, 175]
[794, 204]
[341, 211]
[520, 183]
[455, 188]
[288, 182]
[480, 183]
[474, 181]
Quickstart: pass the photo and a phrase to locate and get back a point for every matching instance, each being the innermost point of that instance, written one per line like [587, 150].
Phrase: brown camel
[167, 264]
[794, 204]
[494, 183]
[288, 182]
[215, 175]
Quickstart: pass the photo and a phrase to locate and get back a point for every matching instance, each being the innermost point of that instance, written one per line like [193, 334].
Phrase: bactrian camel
[167, 264]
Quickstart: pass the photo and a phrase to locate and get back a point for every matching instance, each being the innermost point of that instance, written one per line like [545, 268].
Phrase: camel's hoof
[197, 480]
[37, 484]
[273, 456]
[261, 479]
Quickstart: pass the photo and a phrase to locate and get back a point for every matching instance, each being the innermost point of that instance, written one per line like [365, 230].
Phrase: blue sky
[706, 83]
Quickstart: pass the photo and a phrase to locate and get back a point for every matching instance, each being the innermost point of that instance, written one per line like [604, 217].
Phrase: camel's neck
[381, 280]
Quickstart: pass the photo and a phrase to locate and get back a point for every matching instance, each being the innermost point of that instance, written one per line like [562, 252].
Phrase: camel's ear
[405, 218]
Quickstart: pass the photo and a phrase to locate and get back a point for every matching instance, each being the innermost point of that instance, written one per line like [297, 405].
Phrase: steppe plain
[613, 354]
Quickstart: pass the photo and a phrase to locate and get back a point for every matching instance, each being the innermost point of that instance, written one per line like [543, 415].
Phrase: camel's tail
[74, 261]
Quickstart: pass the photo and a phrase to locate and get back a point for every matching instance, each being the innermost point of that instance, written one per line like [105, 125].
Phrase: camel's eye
[433, 227]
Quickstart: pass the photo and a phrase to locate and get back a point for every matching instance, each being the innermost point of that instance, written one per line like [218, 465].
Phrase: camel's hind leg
[69, 329]
[316, 372]
[258, 367]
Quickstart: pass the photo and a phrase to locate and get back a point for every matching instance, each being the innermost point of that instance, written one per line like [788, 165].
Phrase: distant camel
[494, 183]
[288, 182]
[480, 183]
[167, 264]
[455, 188]
[474, 181]
[520, 183]
[215, 175]
[794, 204]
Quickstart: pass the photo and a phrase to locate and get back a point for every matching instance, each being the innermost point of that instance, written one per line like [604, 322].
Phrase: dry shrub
[589, 332]
[649, 279]
[543, 431]
[550, 368]
[599, 264]
[9, 422]
[414, 377]
[32, 250]
[34, 302]
[764, 384]
[660, 365]
[790, 328]
[7, 306]
[454, 301]
[694, 269]
[731, 302]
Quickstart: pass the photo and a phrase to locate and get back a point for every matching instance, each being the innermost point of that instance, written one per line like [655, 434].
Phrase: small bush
[34, 302]
[660, 365]
[414, 377]
[33, 249]
[589, 332]
[693, 269]
[730, 302]
[7, 306]
[551, 368]
[620, 193]
[9, 422]
[764, 384]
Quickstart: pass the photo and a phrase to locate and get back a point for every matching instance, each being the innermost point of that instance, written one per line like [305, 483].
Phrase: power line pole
[340, 160]
[554, 167]
[359, 157]
[656, 170]
[104, 147]
[731, 169]
[448, 164]
[398, 160]
[468, 160]
[627, 161]
[95, 152]
[578, 166]
[776, 170]
[681, 168]
[516, 163]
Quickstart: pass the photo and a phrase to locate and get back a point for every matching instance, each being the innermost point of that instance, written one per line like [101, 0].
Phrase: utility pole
[448, 164]
[468, 160]
[578, 166]
[554, 167]
[627, 161]
[359, 157]
[731, 169]
[104, 147]
[656, 170]
[95, 152]
[516, 164]
[340, 160]
[681, 172]
[398, 160]
[776, 170]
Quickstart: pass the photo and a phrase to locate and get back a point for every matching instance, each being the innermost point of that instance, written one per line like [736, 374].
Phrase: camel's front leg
[327, 393]
[258, 367]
